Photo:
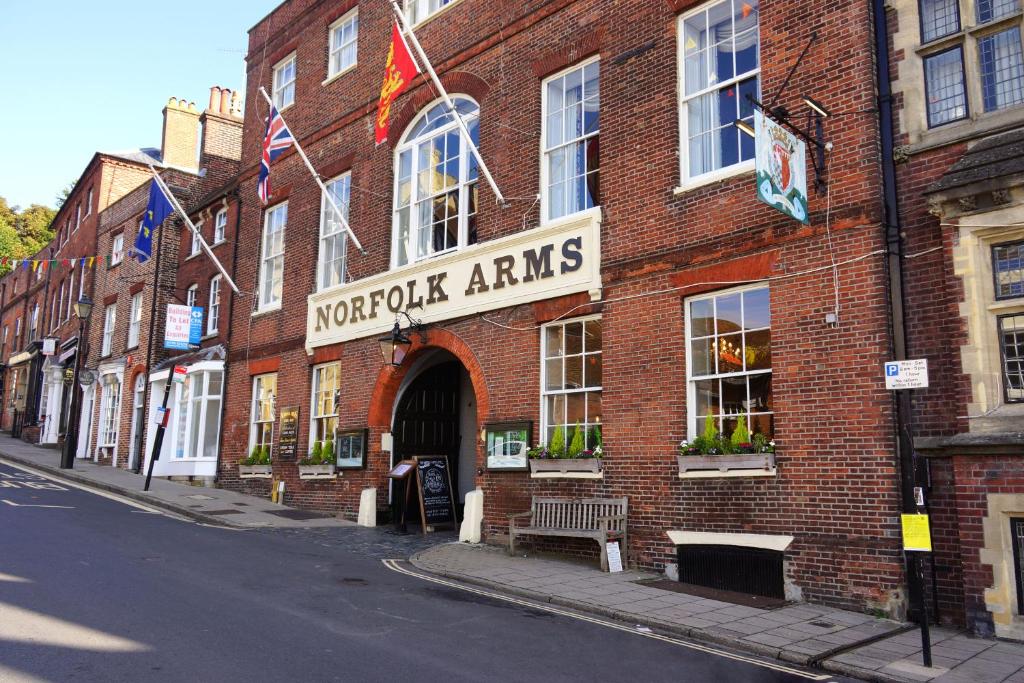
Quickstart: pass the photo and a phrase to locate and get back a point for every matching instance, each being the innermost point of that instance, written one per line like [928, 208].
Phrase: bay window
[719, 54]
[436, 191]
[729, 362]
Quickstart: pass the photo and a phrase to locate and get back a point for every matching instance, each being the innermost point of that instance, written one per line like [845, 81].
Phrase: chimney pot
[236, 104]
[215, 96]
[225, 102]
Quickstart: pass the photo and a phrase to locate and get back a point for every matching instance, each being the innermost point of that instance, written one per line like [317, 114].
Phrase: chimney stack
[222, 129]
[180, 134]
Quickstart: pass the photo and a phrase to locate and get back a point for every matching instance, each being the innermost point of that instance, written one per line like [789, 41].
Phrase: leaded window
[1008, 269]
[1011, 342]
[944, 86]
[939, 18]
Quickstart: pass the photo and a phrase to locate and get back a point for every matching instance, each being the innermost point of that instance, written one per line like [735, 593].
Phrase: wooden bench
[602, 519]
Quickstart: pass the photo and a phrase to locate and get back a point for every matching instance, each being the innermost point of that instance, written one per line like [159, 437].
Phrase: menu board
[289, 432]
[434, 485]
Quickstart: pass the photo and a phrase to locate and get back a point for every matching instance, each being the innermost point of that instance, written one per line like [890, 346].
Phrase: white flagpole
[195, 231]
[407, 31]
[316, 177]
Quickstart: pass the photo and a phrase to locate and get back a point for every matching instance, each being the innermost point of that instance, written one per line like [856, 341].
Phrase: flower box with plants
[558, 458]
[716, 452]
[319, 464]
[256, 465]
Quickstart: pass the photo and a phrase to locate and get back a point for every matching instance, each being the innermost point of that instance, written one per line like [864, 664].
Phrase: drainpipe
[237, 194]
[909, 475]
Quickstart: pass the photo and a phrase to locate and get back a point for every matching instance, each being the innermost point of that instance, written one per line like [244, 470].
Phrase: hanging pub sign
[781, 163]
[288, 445]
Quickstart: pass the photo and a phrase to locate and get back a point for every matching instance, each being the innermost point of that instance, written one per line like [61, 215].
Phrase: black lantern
[394, 346]
[83, 308]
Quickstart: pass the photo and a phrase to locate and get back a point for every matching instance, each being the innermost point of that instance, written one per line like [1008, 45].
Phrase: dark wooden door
[427, 419]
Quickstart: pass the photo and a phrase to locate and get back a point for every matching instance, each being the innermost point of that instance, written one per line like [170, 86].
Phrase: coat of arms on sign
[781, 162]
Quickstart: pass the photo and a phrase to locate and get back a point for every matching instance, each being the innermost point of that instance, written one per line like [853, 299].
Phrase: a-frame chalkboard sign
[434, 486]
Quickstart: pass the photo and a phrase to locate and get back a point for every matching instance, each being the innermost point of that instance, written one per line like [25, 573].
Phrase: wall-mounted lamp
[396, 344]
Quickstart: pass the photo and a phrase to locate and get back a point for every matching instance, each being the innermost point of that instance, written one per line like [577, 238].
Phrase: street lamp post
[83, 308]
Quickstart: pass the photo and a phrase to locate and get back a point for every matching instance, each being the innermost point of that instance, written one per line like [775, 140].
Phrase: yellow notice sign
[915, 533]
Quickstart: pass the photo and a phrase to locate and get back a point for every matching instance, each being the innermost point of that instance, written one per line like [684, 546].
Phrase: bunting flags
[399, 71]
[42, 265]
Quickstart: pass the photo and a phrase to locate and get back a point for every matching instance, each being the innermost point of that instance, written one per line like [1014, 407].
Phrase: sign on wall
[906, 374]
[537, 264]
[184, 329]
[289, 442]
[781, 163]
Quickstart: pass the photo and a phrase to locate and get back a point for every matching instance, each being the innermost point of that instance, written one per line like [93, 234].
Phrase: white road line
[394, 566]
[89, 489]
[28, 505]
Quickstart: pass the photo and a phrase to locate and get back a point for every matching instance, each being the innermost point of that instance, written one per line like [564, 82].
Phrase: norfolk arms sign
[537, 264]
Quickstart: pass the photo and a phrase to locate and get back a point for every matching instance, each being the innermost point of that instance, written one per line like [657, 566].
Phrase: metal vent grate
[1017, 533]
[754, 571]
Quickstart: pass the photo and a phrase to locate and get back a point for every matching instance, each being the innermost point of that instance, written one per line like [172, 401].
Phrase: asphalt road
[93, 589]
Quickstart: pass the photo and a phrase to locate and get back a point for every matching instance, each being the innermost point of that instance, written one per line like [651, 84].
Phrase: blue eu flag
[157, 210]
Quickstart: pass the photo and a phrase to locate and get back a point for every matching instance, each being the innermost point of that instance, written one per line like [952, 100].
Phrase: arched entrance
[436, 414]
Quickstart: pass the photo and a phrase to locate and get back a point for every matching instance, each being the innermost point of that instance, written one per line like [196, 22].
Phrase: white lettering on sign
[542, 263]
[906, 374]
[179, 319]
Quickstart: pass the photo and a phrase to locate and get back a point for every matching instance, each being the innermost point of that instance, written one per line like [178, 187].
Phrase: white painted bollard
[473, 517]
[368, 507]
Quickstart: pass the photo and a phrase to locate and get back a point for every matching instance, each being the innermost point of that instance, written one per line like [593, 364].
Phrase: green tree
[34, 226]
[63, 195]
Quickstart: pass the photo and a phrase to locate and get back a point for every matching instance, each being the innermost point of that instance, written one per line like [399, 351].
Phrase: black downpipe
[894, 263]
[237, 194]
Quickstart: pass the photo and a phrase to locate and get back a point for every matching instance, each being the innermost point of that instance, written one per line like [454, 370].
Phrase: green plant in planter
[557, 445]
[740, 438]
[328, 452]
[577, 443]
[265, 456]
[315, 456]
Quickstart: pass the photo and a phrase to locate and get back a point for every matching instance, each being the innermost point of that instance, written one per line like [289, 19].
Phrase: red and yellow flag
[399, 72]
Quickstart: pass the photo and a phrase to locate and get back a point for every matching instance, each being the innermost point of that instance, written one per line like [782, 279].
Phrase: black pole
[158, 441]
[67, 454]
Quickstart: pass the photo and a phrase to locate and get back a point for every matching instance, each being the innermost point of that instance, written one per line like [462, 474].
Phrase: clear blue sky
[81, 77]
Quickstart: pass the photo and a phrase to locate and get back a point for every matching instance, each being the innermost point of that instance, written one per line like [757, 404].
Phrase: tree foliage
[24, 232]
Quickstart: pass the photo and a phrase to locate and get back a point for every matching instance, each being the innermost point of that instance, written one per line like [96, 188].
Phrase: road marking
[95, 492]
[393, 565]
[29, 505]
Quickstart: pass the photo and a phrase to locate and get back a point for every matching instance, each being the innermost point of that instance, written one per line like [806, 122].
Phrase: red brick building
[958, 81]
[631, 286]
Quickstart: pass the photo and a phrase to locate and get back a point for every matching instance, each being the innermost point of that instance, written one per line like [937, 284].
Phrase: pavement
[208, 505]
[838, 641]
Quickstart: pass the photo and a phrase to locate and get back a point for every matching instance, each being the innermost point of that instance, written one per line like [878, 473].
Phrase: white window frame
[135, 320]
[78, 215]
[220, 224]
[333, 247]
[117, 249]
[109, 321]
[283, 91]
[687, 180]
[88, 203]
[196, 246]
[464, 185]
[271, 260]
[195, 406]
[695, 427]
[319, 394]
[110, 413]
[336, 48]
[545, 174]
[192, 294]
[258, 385]
[34, 322]
[545, 419]
[71, 298]
[418, 11]
[213, 312]
[138, 419]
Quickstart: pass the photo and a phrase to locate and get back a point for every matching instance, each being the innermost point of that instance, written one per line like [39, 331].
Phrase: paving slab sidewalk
[208, 505]
[843, 642]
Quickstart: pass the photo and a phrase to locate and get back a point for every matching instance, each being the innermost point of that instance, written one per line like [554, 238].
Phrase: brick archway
[385, 392]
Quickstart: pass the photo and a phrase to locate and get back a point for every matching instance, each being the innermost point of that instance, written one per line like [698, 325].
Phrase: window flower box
[316, 471]
[556, 460]
[725, 463]
[254, 471]
[714, 455]
[565, 465]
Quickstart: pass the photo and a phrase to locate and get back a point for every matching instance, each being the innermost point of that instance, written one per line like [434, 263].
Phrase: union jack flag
[275, 142]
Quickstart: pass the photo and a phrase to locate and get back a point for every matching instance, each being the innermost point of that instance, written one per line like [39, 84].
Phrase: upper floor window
[220, 224]
[1008, 269]
[213, 315]
[196, 240]
[191, 295]
[33, 322]
[729, 361]
[109, 319]
[88, 203]
[571, 164]
[71, 299]
[3, 345]
[272, 256]
[719, 46]
[435, 184]
[78, 215]
[1011, 342]
[333, 239]
[284, 83]
[342, 52]
[981, 70]
[418, 10]
[135, 321]
[117, 249]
